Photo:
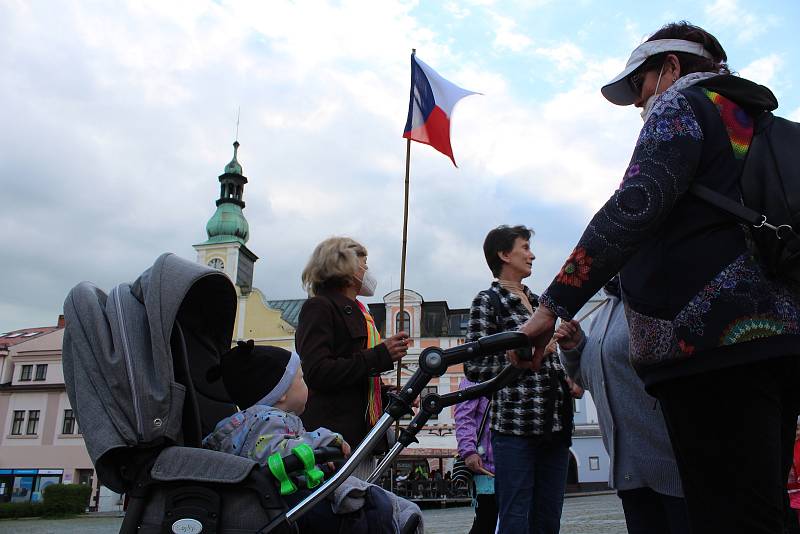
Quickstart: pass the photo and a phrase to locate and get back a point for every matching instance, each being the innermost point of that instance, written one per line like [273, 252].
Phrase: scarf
[374, 403]
[682, 83]
[516, 289]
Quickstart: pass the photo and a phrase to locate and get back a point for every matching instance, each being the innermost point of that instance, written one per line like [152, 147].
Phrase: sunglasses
[636, 81]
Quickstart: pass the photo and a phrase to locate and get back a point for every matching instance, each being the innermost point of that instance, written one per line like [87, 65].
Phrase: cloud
[505, 35]
[795, 115]
[457, 10]
[763, 70]
[124, 117]
[730, 13]
[566, 56]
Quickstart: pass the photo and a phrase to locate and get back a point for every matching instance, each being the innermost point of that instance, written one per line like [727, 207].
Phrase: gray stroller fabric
[350, 496]
[200, 465]
[118, 356]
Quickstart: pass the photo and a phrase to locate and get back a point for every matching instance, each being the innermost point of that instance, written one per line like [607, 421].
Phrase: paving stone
[596, 514]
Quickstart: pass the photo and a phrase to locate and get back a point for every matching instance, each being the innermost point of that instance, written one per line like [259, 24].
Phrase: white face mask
[648, 105]
[368, 284]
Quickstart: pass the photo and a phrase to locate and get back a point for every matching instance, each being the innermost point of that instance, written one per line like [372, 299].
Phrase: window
[16, 426]
[69, 422]
[27, 371]
[403, 323]
[33, 422]
[41, 371]
[594, 463]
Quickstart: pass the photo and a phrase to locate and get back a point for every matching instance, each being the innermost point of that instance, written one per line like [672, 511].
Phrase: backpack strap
[494, 299]
[785, 232]
[728, 205]
[757, 220]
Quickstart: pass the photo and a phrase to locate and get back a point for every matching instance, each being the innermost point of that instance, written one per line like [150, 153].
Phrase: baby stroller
[134, 366]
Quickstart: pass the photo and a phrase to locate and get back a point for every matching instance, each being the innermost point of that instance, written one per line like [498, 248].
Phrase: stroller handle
[433, 404]
[321, 455]
[433, 362]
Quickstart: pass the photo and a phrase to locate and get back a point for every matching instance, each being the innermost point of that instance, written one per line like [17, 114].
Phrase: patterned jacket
[696, 297]
[537, 404]
[259, 431]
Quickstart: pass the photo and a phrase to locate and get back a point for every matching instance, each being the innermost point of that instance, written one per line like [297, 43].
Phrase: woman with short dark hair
[714, 338]
[531, 418]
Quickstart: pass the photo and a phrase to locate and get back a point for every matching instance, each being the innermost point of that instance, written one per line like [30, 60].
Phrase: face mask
[648, 105]
[368, 284]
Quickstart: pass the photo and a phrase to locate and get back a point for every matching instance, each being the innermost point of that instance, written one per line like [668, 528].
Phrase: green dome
[228, 224]
[234, 167]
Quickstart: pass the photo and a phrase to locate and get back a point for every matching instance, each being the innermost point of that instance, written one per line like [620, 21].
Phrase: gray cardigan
[633, 428]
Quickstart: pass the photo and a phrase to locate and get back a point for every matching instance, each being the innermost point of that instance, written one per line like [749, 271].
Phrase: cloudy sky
[119, 116]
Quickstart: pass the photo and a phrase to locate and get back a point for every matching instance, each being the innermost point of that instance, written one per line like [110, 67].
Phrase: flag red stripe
[435, 132]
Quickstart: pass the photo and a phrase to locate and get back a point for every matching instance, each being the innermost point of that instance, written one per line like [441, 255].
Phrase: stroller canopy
[131, 358]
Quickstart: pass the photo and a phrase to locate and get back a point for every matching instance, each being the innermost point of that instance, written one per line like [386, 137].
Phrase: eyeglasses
[636, 81]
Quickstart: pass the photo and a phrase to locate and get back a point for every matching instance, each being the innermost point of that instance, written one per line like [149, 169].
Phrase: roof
[290, 309]
[45, 344]
[8, 339]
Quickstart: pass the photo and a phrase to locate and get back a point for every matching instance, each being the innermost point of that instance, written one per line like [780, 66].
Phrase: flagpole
[405, 241]
[403, 256]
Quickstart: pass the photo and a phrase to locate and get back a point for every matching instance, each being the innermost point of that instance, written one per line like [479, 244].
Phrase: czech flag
[430, 107]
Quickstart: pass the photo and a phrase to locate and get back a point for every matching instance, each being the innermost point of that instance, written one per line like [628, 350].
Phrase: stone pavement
[596, 514]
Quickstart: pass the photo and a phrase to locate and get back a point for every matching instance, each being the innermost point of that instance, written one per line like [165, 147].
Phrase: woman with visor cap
[713, 338]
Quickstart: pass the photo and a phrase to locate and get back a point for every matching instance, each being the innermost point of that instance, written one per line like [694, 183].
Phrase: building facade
[226, 250]
[40, 442]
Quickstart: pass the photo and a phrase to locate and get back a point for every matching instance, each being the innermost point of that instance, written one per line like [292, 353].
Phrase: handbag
[460, 470]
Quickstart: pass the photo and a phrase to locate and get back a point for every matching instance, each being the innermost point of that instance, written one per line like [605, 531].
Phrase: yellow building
[226, 250]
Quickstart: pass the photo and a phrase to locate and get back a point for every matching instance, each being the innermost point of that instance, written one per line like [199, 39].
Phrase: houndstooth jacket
[537, 404]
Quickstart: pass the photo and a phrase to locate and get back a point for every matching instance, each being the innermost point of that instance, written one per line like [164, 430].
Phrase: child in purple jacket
[478, 457]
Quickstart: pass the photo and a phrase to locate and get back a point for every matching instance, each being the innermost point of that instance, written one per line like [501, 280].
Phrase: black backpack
[770, 189]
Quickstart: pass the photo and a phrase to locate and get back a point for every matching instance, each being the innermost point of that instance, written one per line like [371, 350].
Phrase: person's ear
[673, 68]
[505, 257]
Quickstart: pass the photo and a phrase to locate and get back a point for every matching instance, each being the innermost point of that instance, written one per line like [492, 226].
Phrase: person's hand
[345, 452]
[574, 389]
[539, 330]
[569, 334]
[474, 462]
[397, 345]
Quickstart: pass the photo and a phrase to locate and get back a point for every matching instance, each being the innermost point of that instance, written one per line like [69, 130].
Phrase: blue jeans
[530, 480]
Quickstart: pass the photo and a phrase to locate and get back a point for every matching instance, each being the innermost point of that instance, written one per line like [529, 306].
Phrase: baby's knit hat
[255, 374]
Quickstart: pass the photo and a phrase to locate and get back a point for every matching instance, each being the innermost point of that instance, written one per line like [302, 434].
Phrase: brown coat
[331, 338]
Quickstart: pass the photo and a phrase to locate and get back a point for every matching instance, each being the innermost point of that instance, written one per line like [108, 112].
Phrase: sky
[119, 117]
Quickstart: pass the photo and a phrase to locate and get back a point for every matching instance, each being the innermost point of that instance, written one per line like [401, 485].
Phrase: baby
[268, 383]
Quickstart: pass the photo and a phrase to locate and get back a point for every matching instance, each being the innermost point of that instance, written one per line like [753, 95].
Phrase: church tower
[228, 231]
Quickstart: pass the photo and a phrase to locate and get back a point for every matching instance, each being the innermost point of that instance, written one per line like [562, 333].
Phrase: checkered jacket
[537, 403]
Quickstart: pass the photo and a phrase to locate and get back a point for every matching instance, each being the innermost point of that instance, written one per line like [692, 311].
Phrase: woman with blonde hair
[340, 348]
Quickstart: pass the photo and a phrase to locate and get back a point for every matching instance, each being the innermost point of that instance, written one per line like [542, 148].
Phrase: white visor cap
[618, 91]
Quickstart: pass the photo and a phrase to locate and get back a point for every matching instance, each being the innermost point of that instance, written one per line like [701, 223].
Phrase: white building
[40, 442]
